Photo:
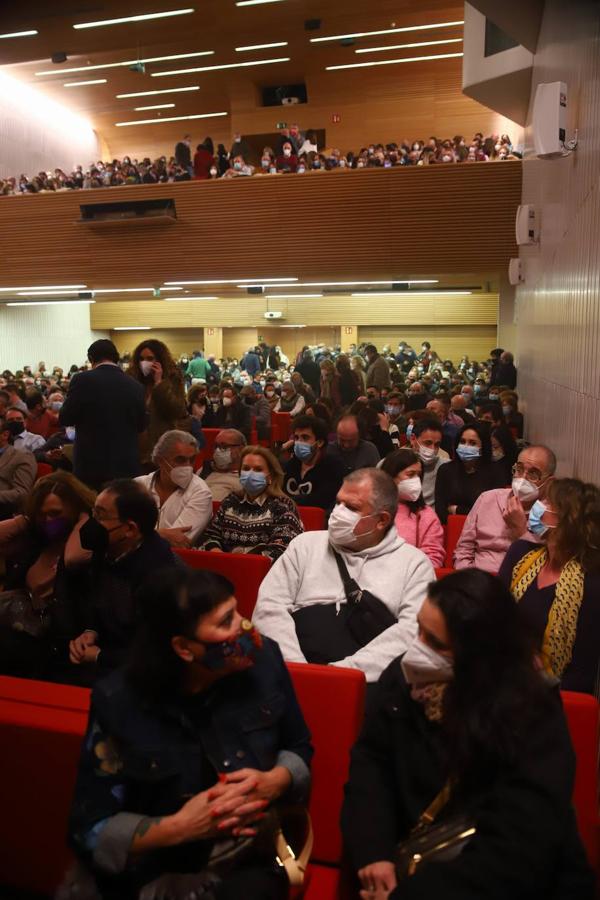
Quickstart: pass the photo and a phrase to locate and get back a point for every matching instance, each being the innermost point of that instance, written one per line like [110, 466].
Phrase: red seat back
[210, 437]
[245, 570]
[43, 469]
[41, 726]
[583, 716]
[332, 701]
[453, 532]
[216, 504]
[281, 426]
[441, 573]
[313, 517]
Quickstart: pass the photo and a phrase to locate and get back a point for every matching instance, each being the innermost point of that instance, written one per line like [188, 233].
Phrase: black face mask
[94, 536]
[15, 428]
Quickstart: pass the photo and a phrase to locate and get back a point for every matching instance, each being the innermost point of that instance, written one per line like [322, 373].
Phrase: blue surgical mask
[536, 526]
[467, 453]
[254, 483]
[302, 450]
[70, 432]
[493, 396]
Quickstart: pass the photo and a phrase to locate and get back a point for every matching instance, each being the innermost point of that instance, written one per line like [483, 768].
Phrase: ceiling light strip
[156, 106]
[255, 2]
[171, 119]
[128, 62]
[292, 296]
[51, 303]
[391, 62]
[70, 84]
[261, 46]
[408, 293]
[132, 328]
[185, 299]
[253, 281]
[141, 18]
[358, 34]
[257, 62]
[340, 283]
[41, 287]
[143, 290]
[15, 34]
[409, 46]
[163, 91]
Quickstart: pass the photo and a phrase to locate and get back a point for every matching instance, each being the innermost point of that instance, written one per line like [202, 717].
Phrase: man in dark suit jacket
[108, 411]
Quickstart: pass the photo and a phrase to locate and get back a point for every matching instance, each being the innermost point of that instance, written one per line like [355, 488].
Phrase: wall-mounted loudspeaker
[515, 271]
[526, 225]
[549, 120]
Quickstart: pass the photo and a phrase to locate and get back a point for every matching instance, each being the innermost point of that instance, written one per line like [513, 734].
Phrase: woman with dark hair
[556, 582]
[460, 482]
[466, 720]
[504, 453]
[369, 424]
[156, 370]
[349, 384]
[188, 747]
[32, 546]
[416, 522]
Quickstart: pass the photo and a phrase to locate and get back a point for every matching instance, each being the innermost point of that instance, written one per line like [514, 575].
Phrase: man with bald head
[500, 517]
[458, 404]
[350, 450]
[222, 473]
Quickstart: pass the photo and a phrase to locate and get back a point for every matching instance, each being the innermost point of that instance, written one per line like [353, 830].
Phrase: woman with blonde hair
[330, 383]
[556, 581]
[258, 518]
[358, 368]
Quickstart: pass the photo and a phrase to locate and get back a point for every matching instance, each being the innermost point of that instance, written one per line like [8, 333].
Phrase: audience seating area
[41, 727]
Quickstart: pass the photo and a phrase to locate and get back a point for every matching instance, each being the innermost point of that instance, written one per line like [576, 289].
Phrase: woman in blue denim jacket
[186, 748]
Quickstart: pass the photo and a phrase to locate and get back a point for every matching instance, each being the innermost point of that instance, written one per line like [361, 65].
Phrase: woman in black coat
[460, 482]
[466, 707]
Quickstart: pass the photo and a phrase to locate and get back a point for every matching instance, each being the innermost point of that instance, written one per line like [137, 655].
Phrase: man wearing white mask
[222, 473]
[183, 499]
[426, 440]
[499, 517]
[308, 601]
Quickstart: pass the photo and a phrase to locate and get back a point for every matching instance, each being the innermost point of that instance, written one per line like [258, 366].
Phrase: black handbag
[326, 634]
[433, 843]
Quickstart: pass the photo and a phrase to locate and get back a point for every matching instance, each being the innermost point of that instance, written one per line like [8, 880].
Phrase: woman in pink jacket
[417, 523]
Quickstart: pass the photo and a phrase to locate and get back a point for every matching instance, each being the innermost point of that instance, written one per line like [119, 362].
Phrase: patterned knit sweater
[264, 525]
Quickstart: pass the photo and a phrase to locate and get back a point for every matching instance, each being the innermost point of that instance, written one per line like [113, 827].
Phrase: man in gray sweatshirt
[362, 531]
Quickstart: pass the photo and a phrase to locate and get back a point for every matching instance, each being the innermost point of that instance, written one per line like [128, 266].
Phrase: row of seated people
[205, 697]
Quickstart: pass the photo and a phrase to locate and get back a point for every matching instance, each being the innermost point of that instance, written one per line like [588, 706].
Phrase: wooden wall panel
[449, 341]
[390, 223]
[237, 340]
[292, 340]
[178, 340]
[558, 310]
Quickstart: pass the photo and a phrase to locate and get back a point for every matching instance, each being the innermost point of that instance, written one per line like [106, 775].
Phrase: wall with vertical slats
[59, 335]
[558, 307]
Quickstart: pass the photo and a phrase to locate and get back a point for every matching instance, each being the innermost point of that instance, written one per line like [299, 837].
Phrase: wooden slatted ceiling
[375, 223]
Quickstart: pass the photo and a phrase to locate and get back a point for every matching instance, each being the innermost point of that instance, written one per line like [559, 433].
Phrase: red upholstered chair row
[43, 469]
[243, 569]
[41, 726]
[281, 427]
[312, 517]
[453, 532]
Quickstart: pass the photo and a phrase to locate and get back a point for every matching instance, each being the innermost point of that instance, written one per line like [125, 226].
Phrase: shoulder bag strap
[351, 588]
[295, 866]
[435, 807]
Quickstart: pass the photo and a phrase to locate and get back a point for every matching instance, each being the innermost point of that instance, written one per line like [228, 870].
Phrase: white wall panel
[37, 134]
[558, 308]
[60, 335]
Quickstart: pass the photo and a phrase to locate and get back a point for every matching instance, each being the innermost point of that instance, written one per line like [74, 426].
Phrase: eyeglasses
[100, 516]
[531, 474]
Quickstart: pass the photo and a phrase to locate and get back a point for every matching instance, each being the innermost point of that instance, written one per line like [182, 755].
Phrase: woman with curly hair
[557, 581]
[156, 370]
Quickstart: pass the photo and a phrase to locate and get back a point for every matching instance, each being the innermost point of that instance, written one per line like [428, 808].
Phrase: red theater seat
[583, 715]
[441, 573]
[243, 569]
[43, 469]
[210, 436]
[281, 427]
[453, 532]
[313, 517]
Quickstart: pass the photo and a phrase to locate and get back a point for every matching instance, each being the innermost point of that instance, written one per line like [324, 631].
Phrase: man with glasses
[222, 473]
[120, 546]
[499, 517]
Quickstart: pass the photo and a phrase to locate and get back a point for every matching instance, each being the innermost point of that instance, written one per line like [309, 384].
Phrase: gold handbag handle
[295, 866]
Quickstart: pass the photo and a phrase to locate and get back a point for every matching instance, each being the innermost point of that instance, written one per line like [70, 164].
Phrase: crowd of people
[195, 734]
[295, 152]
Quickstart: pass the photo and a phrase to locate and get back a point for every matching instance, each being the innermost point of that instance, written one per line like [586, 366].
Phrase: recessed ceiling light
[41, 287]
[142, 18]
[358, 34]
[255, 281]
[170, 119]
[132, 328]
[261, 46]
[51, 303]
[293, 296]
[127, 62]
[157, 106]
[13, 34]
[70, 84]
[391, 62]
[164, 91]
[257, 62]
[408, 46]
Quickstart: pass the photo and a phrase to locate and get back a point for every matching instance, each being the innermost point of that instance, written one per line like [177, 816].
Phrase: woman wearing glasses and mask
[557, 582]
[187, 750]
[467, 727]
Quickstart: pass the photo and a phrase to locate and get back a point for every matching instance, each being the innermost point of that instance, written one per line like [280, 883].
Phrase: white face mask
[525, 490]
[426, 454]
[422, 665]
[497, 455]
[181, 476]
[222, 458]
[146, 367]
[410, 489]
[226, 401]
[342, 523]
